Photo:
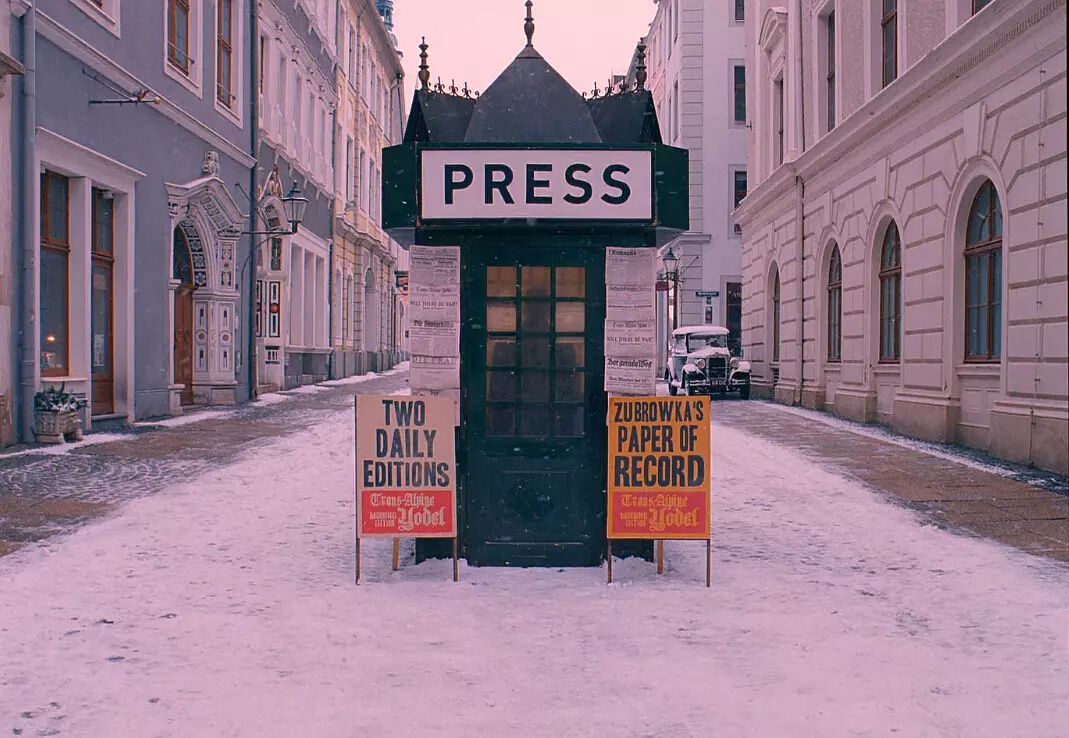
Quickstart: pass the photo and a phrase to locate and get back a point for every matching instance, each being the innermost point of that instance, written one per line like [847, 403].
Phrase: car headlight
[701, 363]
[735, 362]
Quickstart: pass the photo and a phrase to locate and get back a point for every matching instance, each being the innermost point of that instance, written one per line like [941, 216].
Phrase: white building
[299, 101]
[696, 61]
[10, 68]
[367, 300]
[920, 149]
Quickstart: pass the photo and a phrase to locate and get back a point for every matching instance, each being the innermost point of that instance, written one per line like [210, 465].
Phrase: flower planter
[54, 426]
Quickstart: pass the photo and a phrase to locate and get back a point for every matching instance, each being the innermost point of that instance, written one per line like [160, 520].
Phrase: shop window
[55, 275]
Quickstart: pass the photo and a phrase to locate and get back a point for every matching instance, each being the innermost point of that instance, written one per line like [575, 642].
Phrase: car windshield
[698, 342]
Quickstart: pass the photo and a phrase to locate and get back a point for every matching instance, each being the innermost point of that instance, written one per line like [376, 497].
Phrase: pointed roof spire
[640, 66]
[529, 26]
[424, 70]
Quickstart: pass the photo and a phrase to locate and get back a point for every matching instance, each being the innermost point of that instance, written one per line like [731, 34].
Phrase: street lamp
[295, 204]
[671, 262]
[671, 273]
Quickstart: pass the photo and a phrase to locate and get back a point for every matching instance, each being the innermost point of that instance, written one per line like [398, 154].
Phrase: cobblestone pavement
[43, 493]
[1015, 505]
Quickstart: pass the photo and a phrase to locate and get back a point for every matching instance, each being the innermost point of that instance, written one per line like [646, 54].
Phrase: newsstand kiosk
[531, 182]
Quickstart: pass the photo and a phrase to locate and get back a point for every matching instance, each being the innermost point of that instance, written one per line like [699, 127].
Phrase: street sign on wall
[557, 184]
[659, 468]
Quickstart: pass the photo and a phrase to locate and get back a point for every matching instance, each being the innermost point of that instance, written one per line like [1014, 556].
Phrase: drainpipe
[254, 177]
[330, 266]
[796, 14]
[28, 333]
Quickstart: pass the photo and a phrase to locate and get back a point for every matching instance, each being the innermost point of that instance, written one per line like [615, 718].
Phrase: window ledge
[230, 113]
[887, 368]
[979, 369]
[186, 80]
[833, 367]
[101, 16]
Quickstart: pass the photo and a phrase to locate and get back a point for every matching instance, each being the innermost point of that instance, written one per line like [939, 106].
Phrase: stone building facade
[367, 298]
[299, 100]
[141, 128]
[905, 254]
[10, 132]
[696, 62]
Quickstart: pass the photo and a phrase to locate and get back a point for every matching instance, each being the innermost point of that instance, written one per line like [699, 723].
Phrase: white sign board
[564, 184]
[630, 321]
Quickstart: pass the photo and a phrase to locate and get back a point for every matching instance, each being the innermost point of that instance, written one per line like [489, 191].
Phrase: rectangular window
[352, 55]
[740, 10]
[740, 187]
[740, 93]
[274, 309]
[263, 62]
[224, 57]
[778, 112]
[675, 112]
[260, 308]
[978, 5]
[889, 37]
[55, 274]
[983, 308]
[829, 77]
[348, 170]
[178, 34]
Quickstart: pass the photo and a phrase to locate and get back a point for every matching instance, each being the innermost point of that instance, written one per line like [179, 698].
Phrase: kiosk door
[535, 493]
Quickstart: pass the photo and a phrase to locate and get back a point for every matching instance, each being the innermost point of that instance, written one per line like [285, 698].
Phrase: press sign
[560, 184]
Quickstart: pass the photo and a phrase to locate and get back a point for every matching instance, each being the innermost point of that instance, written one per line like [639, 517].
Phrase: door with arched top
[183, 316]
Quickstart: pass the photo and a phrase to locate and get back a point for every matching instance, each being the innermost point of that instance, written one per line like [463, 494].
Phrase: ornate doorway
[183, 317]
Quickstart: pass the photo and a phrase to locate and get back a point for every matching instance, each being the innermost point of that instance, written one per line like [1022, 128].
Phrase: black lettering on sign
[451, 182]
[500, 185]
[581, 184]
[538, 184]
[625, 190]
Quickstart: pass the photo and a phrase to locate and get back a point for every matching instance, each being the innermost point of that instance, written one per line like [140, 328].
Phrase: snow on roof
[701, 330]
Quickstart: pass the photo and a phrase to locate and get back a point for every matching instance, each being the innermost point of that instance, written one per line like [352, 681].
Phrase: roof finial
[640, 66]
[529, 26]
[424, 70]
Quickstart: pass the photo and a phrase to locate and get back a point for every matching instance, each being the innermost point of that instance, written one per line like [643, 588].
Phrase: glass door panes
[535, 351]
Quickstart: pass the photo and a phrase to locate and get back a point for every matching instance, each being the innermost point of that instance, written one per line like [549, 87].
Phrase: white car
[702, 363]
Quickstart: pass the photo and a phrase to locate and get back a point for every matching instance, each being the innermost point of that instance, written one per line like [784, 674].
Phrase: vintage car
[701, 362]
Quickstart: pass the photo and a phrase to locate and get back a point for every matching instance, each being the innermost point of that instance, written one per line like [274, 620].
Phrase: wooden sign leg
[356, 490]
[709, 562]
[456, 562]
[610, 561]
[358, 560]
[396, 554]
[660, 557]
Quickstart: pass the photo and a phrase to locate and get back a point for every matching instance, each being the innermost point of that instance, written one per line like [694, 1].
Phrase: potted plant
[56, 415]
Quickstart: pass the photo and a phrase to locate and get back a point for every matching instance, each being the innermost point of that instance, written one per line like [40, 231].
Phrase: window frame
[225, 45]
[737, 90]
[777, 316]
[978, 5]
[739, 11]
[107, 13]
[190, 75]
[990, 250]
[56, 247]
[831, 107]
[834, 321]
[890, 277]
[888, 19]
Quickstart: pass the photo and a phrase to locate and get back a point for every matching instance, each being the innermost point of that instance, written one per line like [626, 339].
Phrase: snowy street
[225, 606]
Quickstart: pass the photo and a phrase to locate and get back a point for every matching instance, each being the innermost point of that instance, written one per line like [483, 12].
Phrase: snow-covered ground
[226, 607]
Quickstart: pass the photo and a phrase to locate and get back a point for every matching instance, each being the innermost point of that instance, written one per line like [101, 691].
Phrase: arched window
[775, 318]
[983, 277]
[891, 295]
[835, 306]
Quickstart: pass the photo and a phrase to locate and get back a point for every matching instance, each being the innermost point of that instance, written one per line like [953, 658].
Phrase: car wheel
[672, 388]
[744, 392]
[686, 386]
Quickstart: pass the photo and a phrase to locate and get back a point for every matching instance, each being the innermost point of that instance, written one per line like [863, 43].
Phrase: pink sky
[474, 40]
